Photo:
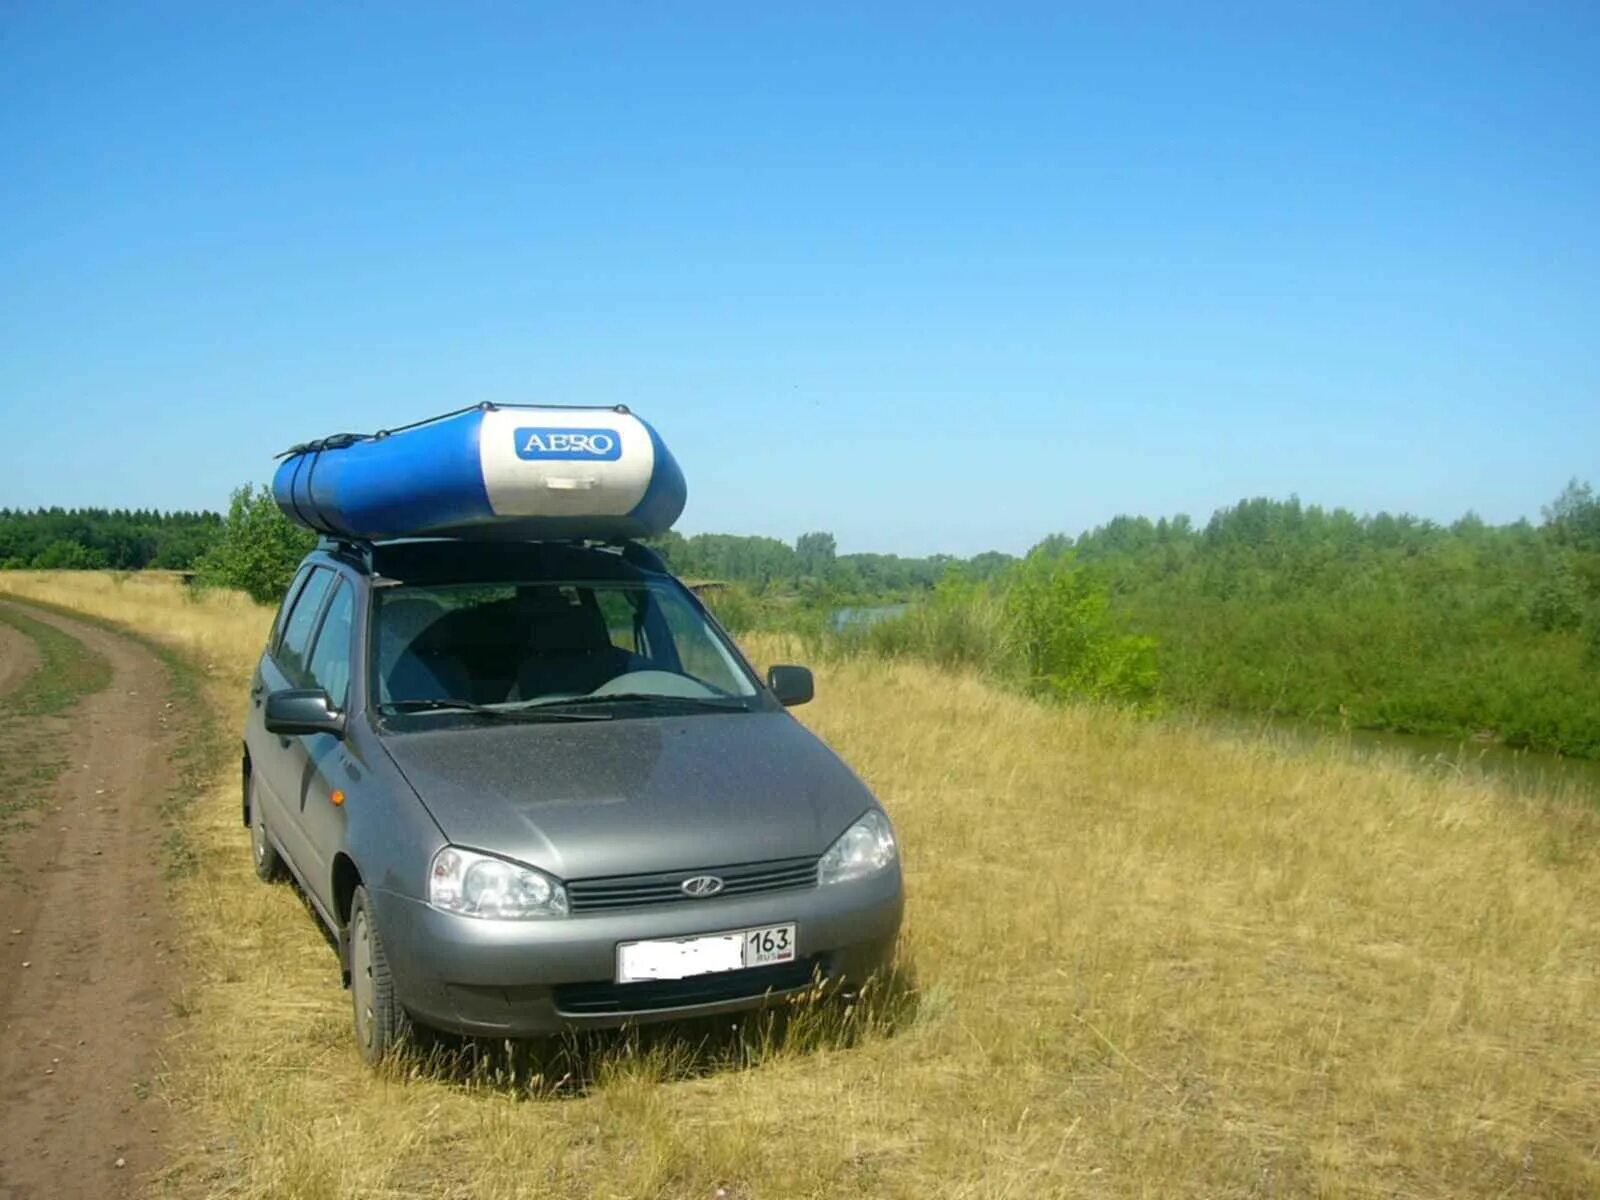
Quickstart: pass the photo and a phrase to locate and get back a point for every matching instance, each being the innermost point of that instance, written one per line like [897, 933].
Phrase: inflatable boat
[495, 471]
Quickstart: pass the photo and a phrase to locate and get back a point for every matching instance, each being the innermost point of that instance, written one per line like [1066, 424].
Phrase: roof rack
[352, 549]
[643, 556]
[361, 553]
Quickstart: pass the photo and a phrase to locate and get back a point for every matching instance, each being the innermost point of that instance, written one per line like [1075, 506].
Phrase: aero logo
[568, 445]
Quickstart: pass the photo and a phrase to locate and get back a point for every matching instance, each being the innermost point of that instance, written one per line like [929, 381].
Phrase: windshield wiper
[717, 703]
[441, 704]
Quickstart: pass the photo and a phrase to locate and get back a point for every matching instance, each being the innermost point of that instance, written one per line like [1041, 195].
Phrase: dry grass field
[1140, 960]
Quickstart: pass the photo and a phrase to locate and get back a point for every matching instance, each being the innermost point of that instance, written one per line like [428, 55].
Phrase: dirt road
[85, 964]
[17, 658]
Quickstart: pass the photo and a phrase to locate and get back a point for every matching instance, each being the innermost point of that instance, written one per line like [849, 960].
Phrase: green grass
[67, 670]
[32, 734]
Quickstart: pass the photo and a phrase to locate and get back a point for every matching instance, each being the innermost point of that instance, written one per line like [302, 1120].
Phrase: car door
[327, 768]
[278, 761]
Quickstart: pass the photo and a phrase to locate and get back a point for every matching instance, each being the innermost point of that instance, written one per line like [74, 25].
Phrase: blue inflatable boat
[494, 471]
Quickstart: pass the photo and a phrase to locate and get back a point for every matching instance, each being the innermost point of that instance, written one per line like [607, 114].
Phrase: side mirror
[303, 710]
[791, 685]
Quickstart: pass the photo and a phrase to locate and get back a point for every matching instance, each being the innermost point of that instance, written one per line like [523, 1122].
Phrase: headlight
[866, 848]
[475, 885]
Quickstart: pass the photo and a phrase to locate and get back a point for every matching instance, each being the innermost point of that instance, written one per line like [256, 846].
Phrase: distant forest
[813, 564]
[51, 539]
[130, 540]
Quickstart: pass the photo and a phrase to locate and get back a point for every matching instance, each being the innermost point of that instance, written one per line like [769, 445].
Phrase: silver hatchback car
[535, 786]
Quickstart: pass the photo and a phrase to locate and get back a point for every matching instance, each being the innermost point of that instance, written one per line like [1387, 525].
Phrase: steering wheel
[655, 682]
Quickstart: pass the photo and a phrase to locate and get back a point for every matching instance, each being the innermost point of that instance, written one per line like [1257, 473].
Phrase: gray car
[535, 786]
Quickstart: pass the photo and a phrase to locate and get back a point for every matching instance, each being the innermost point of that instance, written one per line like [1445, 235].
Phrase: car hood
[633, 795]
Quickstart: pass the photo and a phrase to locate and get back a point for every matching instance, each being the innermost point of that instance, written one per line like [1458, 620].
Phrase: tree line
[812, 566]
[1274, 607]
[1384, 621]
[256, 541]
[99, 538]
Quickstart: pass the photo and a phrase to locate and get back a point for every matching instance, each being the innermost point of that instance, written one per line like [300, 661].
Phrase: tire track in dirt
[85, 954]
[17, 658]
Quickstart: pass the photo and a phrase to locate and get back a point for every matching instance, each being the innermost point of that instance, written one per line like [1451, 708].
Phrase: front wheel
[380, 1022]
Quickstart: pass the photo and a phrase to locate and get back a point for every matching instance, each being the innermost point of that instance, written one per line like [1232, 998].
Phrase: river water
[866, 614]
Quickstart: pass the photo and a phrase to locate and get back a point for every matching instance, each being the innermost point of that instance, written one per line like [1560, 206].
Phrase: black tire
[380, 1023]
[269, 863]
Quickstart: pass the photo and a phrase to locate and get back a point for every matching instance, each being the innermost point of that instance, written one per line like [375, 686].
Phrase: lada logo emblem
[701, 886]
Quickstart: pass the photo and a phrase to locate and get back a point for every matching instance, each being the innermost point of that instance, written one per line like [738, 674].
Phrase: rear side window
[330, 658]
[296, 643]
[287, 606]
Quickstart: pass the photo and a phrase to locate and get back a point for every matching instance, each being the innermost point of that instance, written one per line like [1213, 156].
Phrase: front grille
[599, 999]
[634, 891]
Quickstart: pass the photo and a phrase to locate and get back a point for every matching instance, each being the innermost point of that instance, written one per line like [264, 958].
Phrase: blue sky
[931, 277]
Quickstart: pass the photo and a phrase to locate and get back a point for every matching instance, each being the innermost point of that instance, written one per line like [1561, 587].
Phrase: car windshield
[523, 645]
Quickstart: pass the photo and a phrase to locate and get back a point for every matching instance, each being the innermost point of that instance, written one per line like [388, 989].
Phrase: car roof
[425, 560]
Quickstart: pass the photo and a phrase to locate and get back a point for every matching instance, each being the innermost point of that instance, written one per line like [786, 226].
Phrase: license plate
[706, 954]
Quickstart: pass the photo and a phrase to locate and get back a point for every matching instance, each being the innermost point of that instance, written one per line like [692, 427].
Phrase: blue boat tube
[492, 472]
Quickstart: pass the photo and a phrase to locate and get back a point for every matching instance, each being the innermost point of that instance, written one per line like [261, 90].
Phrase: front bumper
[526, 978]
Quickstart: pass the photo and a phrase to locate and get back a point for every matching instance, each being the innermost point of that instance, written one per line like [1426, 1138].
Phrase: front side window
[698, 646]
[622, 618]
[525, 644]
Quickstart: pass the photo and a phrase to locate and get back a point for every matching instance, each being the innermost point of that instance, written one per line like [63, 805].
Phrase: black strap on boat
[307, 464]
[486, 406]
[294, 481]
[322, 524]
[339, 441]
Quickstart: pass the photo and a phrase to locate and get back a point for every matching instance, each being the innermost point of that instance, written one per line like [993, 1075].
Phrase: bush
[1557, 601]
[69, 556]
[963, 624]
[1070, 646]
[734, 606]
[258, 549]
[1044, 624]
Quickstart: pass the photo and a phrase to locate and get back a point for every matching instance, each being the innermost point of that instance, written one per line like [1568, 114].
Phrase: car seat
[407, 670]
[569, 647]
